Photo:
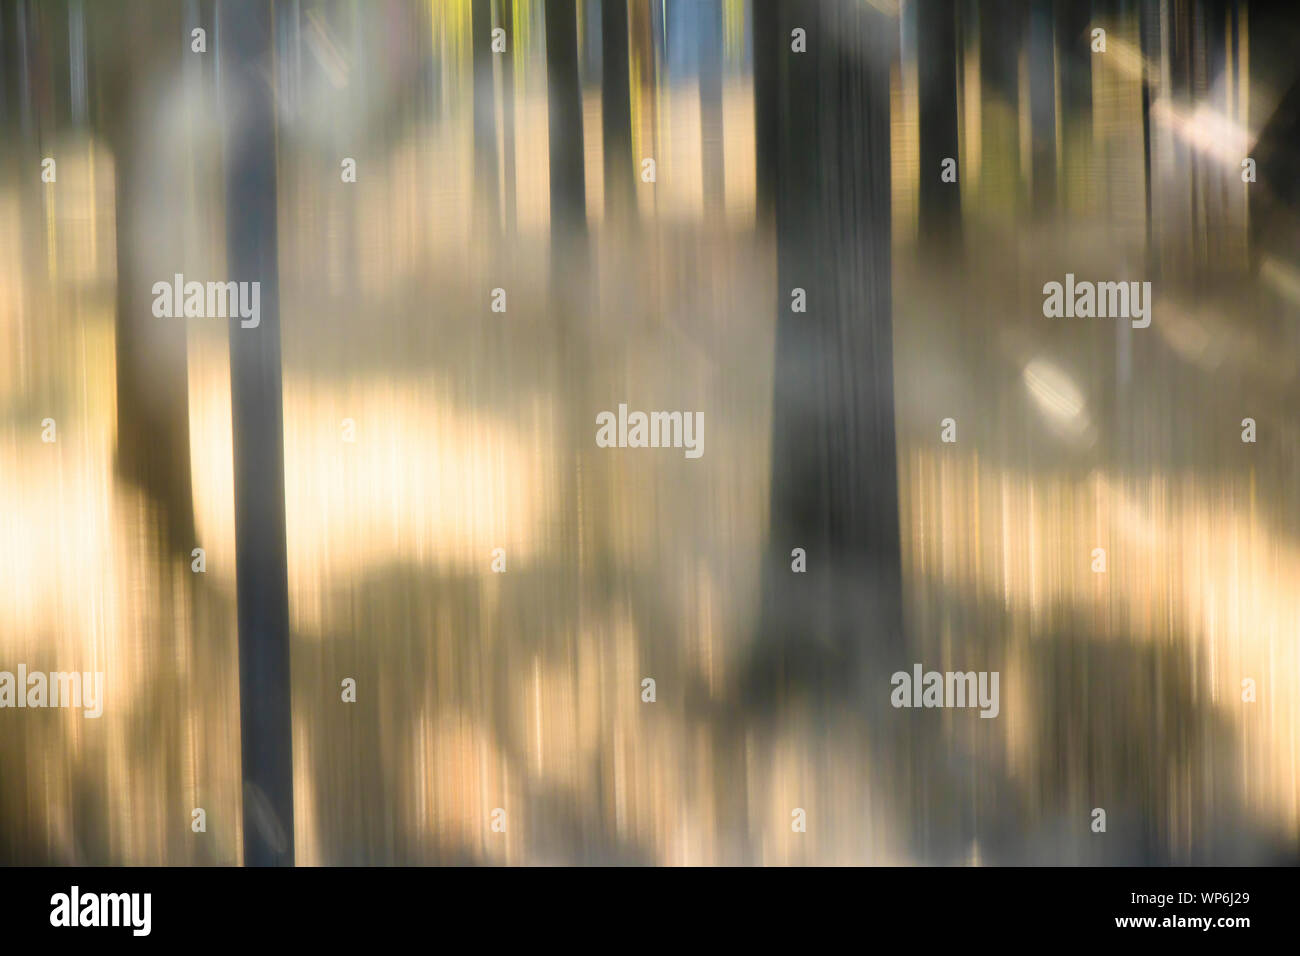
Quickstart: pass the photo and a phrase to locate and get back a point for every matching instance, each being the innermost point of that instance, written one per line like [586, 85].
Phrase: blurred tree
[825, 158]
[257, 424]
[514, 50]
[569, 262]
[616, 114]
[152, 382]
[485, 143]
[564, 101]
[939, 202]
[1041, 42]
[709, 30]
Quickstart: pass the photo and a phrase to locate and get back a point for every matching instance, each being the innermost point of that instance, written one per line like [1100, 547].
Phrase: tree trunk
[153, 437]
[257, 421]
[616, 115]
[570, 303]
[834, 469]
[713, 169]
[485, 127]
[939, 211]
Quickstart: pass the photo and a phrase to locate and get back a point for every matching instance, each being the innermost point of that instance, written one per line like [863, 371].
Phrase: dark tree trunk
[616, 114]
[258, 426]
[1042, 107]
[834, 471]
[939, 211]
[564, 100]
[569, 267]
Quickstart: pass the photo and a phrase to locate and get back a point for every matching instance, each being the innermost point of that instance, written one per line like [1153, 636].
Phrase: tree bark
[257, 421]
[616, 114]
[939, 202]
[834, 468]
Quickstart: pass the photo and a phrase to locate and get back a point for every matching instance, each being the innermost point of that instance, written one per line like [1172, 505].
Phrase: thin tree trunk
[713, 169]
[1042, 107]
[939, 202]
[570, 303]
[616, 115]
[485, 141]
[508, 120]
[564, 100]
[258, 426]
